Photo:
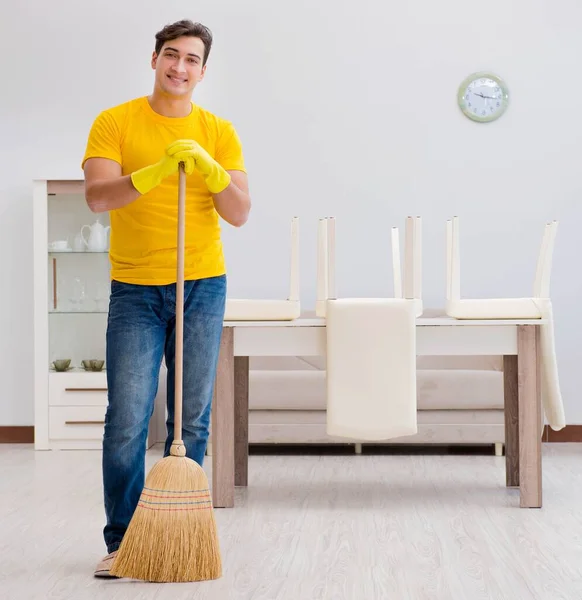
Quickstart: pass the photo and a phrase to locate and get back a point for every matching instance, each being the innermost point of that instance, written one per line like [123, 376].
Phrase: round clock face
[483, 97]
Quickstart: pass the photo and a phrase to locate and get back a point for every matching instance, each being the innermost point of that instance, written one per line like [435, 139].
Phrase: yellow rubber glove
[146, 179]
[216, 177]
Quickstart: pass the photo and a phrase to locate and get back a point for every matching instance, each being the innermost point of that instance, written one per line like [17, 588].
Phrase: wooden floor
[390, 527]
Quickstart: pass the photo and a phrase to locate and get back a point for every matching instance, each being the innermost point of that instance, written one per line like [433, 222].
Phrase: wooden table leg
[223, 425]
[510, 394]
[241, 420]
[530, 412]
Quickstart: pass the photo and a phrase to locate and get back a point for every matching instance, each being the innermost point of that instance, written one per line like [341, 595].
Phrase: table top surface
[423, 321]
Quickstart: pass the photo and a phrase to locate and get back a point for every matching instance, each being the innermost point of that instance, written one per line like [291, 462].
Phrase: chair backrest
[326, 259]
[408, 286]
[417, 258]
[453, 281]
[541, 288]
[294, 290]
[396, 265]
[544, 267]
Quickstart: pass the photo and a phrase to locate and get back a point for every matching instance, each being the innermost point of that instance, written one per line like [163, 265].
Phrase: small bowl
[93, 364]
[61, 364]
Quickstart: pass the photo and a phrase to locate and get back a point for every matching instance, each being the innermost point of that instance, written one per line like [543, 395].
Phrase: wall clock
[483, 97]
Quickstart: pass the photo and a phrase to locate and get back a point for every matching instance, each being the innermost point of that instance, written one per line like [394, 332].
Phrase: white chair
[497, 308]
[538, 306]
[370, 346]
[272, 310]
[409, 286]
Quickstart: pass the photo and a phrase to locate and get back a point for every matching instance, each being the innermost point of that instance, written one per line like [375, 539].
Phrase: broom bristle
[172, 535]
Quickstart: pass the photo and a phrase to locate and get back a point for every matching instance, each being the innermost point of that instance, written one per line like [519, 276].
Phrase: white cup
[59, 245]
[79, 243]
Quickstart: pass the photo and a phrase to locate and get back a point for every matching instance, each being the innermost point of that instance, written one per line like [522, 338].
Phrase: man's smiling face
[179, 66]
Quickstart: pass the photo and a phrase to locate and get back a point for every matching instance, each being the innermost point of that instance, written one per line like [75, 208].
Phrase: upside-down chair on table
[242, 309]
[407, 285]
[371, 349]
[538, 306]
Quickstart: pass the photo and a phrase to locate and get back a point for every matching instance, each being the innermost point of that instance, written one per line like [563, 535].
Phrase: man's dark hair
[181, 28]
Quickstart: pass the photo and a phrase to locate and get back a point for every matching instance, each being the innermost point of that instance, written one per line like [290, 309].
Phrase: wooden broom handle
[178, 448]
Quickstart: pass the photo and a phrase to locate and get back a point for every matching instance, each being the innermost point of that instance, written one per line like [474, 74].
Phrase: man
[131, 170]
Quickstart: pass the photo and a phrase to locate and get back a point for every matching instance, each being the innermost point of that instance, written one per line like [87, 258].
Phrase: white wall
[345, 109]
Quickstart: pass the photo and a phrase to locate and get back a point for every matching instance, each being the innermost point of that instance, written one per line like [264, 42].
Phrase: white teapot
[98, 240]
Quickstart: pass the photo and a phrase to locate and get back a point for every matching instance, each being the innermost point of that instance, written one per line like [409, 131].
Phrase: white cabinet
[71, 297]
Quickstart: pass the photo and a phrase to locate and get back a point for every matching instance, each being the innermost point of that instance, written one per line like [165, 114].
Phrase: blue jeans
[140, 331]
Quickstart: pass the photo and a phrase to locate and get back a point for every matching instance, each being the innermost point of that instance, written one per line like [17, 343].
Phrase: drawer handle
[84, 422]
[75, 389]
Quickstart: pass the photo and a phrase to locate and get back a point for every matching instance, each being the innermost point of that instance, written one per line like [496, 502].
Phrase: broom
[172, 535]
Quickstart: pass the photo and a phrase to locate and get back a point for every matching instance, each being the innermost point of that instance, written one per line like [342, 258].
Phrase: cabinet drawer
[77, 389]
[76, 422]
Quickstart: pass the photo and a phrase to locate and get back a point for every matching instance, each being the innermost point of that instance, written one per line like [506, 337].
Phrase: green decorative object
[483, 97]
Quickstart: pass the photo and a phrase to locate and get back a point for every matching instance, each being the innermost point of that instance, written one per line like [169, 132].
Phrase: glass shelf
[51, 252]
[77, 312]
[76, 370]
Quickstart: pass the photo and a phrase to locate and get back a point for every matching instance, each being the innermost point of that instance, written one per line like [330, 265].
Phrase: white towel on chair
[371, 368]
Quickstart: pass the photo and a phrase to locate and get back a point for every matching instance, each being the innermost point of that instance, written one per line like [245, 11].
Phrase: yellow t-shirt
[143, 236]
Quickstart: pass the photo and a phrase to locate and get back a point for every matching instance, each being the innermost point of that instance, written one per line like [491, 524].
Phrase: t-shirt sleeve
[229, 152]
[104, 139]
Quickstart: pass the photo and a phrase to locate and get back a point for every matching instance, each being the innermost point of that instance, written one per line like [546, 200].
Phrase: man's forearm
[108, 194]
[233, 205]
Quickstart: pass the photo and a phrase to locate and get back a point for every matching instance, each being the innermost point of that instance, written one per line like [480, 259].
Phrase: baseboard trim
[14, 434]
[570, 433]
